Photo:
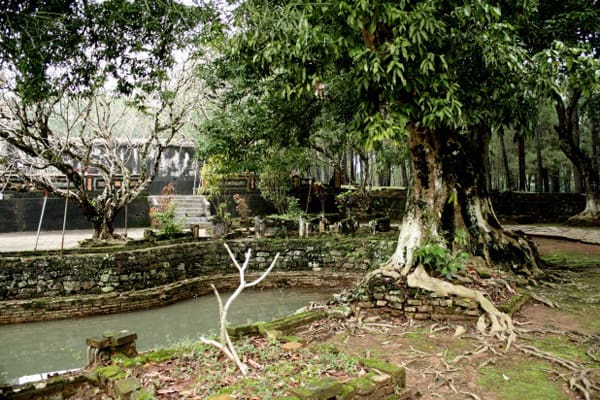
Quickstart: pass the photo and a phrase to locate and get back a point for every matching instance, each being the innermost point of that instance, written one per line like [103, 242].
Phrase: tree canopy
[72, 45]
[75, 62]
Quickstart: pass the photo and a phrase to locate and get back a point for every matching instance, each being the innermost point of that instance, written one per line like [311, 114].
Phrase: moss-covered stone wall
[46, 275]
[49, 286]
[51, 308]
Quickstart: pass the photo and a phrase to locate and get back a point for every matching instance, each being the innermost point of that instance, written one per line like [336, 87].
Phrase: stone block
[125, 387]
[422, 316]
[396, 372]
[322, 389]
[363, 386]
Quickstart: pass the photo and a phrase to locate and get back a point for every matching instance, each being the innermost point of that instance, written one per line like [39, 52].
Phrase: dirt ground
[556, 355]
[567, 336]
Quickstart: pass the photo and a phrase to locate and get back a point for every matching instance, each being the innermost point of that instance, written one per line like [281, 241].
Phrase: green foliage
[274, 178]
[439, 259]
[163, 217]
[130, 43]
[213, 176]
[352, 201]
[293, 208]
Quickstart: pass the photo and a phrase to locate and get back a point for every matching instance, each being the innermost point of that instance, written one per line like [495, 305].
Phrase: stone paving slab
[51, 240]
[584, 235]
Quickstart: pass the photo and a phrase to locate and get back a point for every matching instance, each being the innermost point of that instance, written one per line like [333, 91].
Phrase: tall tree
[441, 73]
[94, 136]
[566, 36]
[56, 54]
[505, 165]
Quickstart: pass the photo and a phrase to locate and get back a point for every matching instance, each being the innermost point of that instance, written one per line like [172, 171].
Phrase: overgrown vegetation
[162, 215]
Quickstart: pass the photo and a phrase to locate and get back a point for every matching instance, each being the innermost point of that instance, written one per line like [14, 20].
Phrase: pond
[33, 348]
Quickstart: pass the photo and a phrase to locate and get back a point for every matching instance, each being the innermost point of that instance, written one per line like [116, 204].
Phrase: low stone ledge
[283, 325]
[25, 277]
[44, 309]
[380, 383]
[44, 389]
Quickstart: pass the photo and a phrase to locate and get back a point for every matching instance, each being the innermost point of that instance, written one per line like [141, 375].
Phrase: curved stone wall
[51, 275]
[50, 286]
[50, 308]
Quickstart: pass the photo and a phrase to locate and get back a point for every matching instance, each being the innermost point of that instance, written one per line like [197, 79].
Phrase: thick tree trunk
[448, 169]
[440, 172]
[404, 174]
[428, 196]
[487, 238]
[103, 229]
[102, 218]
[568, 135]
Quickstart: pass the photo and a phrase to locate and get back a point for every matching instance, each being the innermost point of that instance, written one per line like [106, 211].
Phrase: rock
[292, 346]
[125, 387]
[460, 330]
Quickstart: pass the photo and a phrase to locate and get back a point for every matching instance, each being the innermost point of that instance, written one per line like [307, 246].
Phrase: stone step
[190, 209]
[197, 220]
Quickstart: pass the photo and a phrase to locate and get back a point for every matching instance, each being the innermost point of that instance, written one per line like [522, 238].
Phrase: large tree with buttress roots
[444, 73]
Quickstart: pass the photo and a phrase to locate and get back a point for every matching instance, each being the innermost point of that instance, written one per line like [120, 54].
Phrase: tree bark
[487, 238]
[507, 174]
[444, 175]
[568, 135]
[539, 186]
[428, 195]
[404, 174]
[449, 169]
[521, 150]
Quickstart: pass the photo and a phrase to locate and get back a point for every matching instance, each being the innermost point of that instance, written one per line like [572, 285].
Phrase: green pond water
[34, 348]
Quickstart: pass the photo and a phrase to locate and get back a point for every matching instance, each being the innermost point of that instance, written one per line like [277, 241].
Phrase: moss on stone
[287, 324]
[515, 303]
[321, 389]
[347, 393]
[159, 355]
[363, 386]
[124, 387]
[242, 330]
[111, 372]
[397, 372]
[289, 339]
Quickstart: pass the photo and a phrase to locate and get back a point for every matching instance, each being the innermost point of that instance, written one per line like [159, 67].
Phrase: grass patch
[203, 371]
[523, 379]
[571, 259]
[562, 347]
[281, 370]
[434, 343]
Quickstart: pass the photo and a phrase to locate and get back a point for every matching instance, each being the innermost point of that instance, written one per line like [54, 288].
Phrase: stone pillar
[102, 348]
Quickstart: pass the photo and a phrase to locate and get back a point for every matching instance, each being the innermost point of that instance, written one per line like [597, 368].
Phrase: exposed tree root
[585, 218]
[500, 324]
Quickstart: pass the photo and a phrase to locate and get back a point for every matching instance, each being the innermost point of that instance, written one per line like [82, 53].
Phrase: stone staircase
[190, 209]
